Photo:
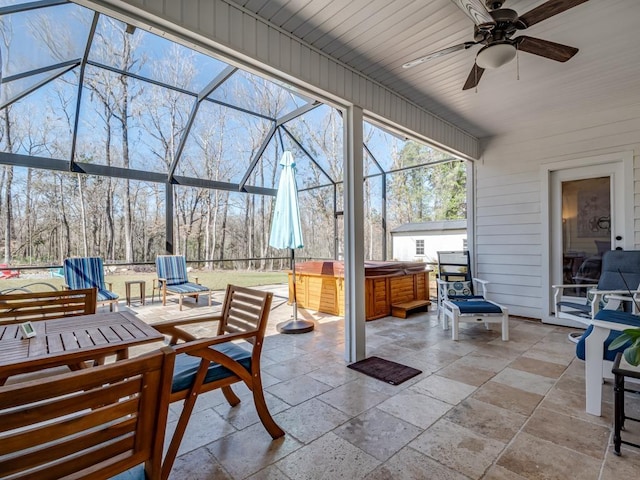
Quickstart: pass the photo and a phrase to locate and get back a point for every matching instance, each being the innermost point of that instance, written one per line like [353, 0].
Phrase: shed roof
[442, 225]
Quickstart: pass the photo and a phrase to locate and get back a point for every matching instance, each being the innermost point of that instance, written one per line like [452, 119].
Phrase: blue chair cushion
[173, 268]
[608, 316]
[477, 306]
[135, 473]
[187, 287]
[459, 288]
[82, 273]
[106, 295]
[186, 366]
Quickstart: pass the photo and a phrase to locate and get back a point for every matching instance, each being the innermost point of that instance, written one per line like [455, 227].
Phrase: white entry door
[588, 215]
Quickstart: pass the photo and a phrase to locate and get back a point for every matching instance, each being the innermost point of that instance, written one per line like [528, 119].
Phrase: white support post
[355, 348]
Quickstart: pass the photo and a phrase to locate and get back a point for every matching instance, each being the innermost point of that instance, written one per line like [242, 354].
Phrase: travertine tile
[625, 466]
[330, 457]
[539, 367]
[378, 433]
[415, 408]
[445, 389]
[298, 390]
[245, 414]
[466, 374]
[507, 397]
[353, 398]
[486, 419]
[529, 382]
[198, 464]
[534, 458]
[248, 451]
[310, 420]
[458, 448]
[204, 427]
[579, 435]
[409, 464]
[270, 473]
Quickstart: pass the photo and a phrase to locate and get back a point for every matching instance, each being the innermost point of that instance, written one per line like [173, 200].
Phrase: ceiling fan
[495, 27]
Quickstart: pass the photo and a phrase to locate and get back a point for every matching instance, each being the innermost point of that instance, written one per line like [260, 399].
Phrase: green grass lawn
[215, 280]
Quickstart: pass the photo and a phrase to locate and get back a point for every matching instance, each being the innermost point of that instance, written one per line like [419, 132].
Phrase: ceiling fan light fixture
[495, 55]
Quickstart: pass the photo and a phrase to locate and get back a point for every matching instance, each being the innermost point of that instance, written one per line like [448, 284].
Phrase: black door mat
[385, 370]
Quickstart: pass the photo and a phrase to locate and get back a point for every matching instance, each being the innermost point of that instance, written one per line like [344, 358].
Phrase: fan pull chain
[517, 62]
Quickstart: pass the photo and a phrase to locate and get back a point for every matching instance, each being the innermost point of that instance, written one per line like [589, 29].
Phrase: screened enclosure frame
[277, 132]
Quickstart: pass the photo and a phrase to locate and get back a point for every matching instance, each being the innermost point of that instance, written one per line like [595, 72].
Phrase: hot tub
[320, 286]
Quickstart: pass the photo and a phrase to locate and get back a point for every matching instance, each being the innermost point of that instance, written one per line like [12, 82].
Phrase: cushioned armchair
[88, 272]
[173, 278]
[232, 356]
[620, 268]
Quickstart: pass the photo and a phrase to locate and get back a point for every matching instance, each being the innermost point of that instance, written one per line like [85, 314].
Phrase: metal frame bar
[36, 86]
[25, 7]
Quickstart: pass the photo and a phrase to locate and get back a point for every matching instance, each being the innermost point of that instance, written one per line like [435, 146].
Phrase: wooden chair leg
[183, 421]
[230, 395]
[263, 411]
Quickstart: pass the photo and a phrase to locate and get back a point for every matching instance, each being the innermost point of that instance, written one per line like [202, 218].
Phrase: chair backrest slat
[245, 310]
[173, 268]
[84, 272]
[23, 307]
[455, 266]
[92, 423]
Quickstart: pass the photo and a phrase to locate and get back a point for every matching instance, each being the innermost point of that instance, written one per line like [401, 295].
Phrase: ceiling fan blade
[545, 48]
[474, 77]
[546, 10]
[438, 53]
[477, 12]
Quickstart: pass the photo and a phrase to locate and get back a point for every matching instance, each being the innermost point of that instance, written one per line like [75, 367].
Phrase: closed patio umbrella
[286, 232]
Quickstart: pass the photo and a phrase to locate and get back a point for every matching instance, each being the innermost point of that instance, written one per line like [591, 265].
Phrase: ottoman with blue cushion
[474, 311]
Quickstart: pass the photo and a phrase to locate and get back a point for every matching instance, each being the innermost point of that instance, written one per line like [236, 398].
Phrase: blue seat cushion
[465, 297]
[187, 287]
[186, 366]
[477, 306]
[105, 295]
[135, 473]
[608, 316]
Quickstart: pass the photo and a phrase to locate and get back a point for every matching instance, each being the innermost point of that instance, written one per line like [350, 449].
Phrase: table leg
[618, 415]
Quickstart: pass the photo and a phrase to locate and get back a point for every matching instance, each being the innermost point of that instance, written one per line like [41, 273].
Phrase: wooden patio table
[71, 341]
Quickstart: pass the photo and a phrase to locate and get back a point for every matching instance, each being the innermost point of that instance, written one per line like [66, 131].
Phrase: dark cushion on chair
[608, 316]
[477, 306]
[187, 365]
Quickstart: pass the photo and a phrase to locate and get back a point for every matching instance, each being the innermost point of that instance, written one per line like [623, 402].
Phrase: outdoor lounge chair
[618, 267]
[463, 298]
[88, 272]
[89, 424]
[6, 272]
[172, 278]
[593, 346]
[454, 279]
[207, 364]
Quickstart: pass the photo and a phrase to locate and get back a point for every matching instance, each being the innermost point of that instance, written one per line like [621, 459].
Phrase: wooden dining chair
[89, 424]
[23, 307]
[206, 364]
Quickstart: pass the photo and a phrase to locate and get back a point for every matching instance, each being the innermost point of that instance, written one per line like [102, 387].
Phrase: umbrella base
[295, 326]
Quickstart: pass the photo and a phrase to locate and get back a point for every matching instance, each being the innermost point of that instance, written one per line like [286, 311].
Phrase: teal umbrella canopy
[286, 231]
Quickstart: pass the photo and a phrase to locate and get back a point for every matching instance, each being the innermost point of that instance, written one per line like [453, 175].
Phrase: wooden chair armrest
[192, 347]
[185, 321]
[171, 328]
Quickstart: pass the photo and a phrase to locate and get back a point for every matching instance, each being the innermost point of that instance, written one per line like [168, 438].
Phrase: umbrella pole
[295, 325]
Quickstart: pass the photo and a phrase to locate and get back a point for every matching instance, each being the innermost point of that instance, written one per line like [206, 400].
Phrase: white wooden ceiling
[377, 36]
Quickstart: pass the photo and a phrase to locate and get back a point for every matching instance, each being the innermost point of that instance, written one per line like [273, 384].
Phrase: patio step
[401, 310]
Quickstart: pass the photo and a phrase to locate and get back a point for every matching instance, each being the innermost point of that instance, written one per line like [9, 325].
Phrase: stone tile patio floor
[481, 409]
